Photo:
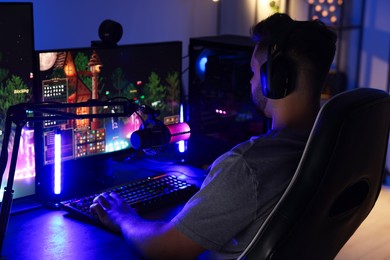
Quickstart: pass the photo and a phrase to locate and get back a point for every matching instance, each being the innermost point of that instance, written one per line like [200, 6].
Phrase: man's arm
[153, 239]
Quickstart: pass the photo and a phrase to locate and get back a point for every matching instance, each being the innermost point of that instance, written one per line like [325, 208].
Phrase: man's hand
[112, 210]
[153, 239]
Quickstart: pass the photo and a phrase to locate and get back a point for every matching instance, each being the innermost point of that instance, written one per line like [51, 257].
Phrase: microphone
[159, 135]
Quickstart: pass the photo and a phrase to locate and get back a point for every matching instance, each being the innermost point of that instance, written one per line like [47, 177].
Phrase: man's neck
[296, 121]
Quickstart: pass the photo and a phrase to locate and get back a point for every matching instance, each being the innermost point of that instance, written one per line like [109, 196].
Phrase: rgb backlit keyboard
[144, 195]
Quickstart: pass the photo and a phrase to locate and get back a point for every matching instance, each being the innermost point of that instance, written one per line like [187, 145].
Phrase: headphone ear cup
[276, 76]
[265, 79]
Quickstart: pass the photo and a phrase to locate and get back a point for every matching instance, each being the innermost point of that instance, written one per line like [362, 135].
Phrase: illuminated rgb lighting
[326, 11]
[117, 145]
[57, 163]
[221, 111]
[181, 144]
[201, 63]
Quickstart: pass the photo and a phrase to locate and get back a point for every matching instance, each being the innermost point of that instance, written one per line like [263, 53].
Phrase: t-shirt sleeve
[225, 204]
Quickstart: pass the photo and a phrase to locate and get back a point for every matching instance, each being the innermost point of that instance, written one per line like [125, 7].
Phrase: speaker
[276, 74]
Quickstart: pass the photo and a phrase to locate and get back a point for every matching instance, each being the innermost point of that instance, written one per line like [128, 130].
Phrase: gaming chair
[336, 184]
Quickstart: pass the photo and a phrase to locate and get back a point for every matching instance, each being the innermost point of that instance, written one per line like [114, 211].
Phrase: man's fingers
[97, 209]
[115, 196]
[103, 200]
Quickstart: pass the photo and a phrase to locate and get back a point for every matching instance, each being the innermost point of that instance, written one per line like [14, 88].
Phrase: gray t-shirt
[240, 190]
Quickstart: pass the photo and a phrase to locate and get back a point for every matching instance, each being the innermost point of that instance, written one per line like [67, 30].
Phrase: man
[289, 63]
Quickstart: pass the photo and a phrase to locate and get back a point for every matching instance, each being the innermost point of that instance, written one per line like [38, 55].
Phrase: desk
[42, 233]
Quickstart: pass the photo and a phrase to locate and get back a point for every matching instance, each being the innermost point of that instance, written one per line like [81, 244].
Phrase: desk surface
[48, 234]
[43, 233]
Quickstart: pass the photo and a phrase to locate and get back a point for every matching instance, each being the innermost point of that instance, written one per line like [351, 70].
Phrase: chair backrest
[336, 183]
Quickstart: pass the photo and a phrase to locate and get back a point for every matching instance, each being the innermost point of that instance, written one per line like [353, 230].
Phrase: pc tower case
[220, 110]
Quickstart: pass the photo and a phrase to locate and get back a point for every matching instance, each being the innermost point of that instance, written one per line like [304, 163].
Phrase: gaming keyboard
[144, 195]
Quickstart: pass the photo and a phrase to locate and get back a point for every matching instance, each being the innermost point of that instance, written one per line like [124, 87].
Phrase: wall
[375, 67]
[238, 16]
[374, 71]
[74, 23]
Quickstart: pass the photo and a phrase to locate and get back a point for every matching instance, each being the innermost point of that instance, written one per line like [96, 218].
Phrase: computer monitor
[17, 86]
[147, 74]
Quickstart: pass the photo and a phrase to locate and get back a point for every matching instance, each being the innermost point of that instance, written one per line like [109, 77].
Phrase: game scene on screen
[146, 74]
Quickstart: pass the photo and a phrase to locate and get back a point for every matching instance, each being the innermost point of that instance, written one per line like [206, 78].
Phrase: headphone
[277, 74]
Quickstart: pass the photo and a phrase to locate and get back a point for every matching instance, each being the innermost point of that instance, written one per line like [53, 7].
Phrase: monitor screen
[148, 74]
[16, 86]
